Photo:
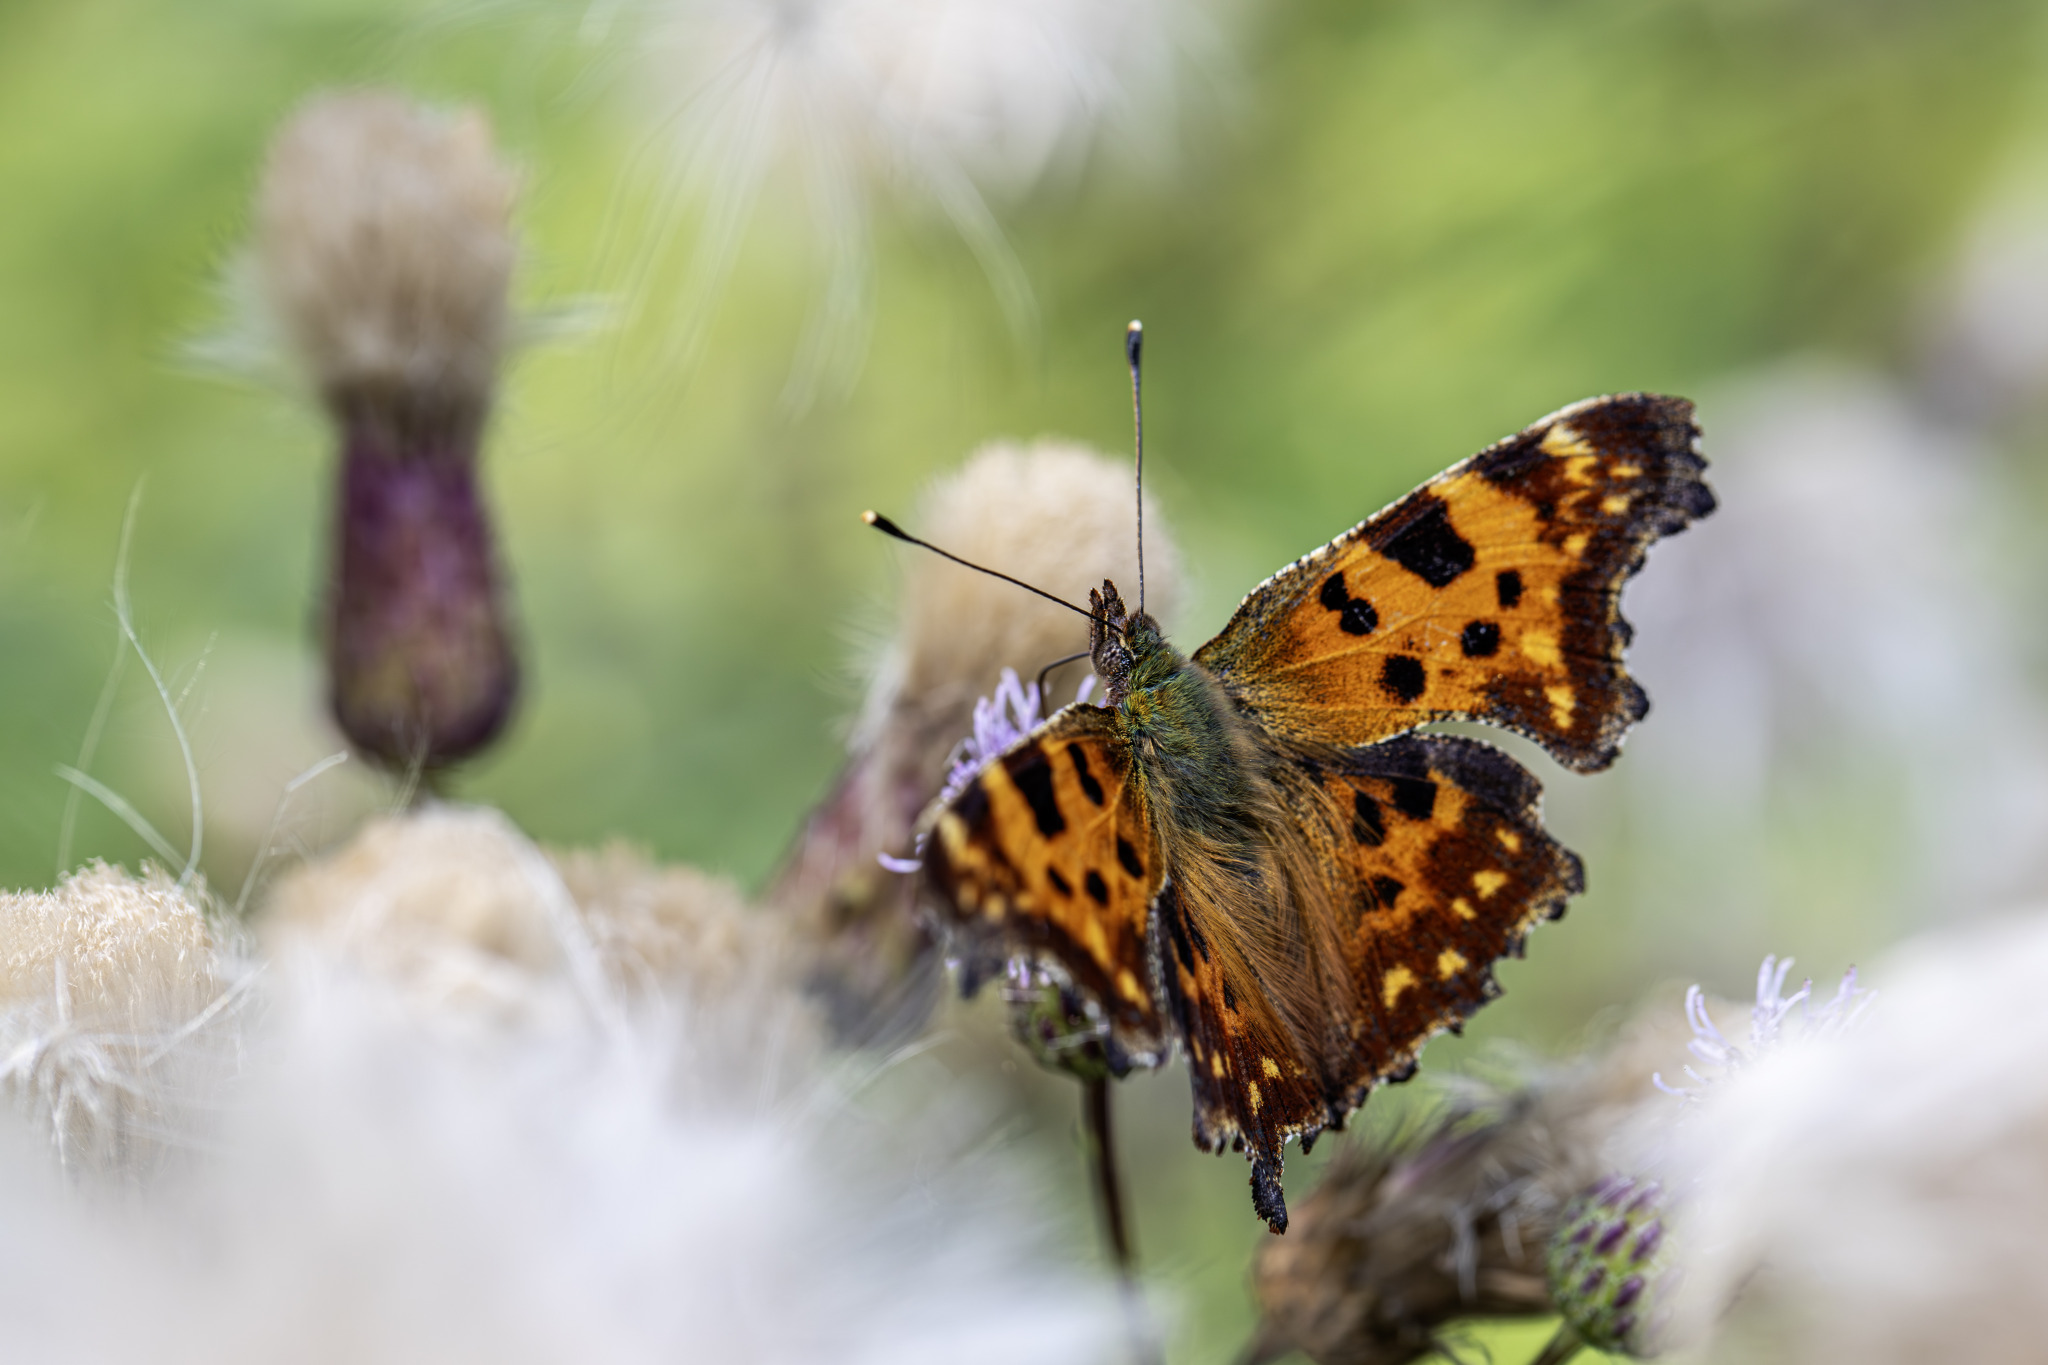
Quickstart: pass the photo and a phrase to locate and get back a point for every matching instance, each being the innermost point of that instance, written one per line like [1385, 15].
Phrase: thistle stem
[1109, 1201]
[1561, 1347]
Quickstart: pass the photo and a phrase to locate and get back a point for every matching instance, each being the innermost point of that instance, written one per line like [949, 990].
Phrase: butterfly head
[1129, 651]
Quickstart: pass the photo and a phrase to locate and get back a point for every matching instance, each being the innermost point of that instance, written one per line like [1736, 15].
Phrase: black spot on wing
[1403, 675]
[1384, 891]
[1128, 857]
[1098, 889]
[1359, 618]
[1060, 884]
[1480, 640]
[1033, 776]
[1507, 586]
[1370, 827]
[1422, 540]
[1414, 797]
[1334, 594]
[1089, 786]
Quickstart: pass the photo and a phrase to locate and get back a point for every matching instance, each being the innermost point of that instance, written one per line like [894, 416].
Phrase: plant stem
[1562, 1347]
[1109, 1201]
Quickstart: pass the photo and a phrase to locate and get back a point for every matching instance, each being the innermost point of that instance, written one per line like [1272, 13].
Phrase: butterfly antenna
[890, 528]
[1134, 346]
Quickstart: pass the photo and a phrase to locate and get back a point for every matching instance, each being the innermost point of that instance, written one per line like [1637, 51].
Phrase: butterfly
[1250, 855]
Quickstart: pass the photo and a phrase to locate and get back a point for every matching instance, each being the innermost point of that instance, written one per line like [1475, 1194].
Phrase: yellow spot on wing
[1563, 440]
[1488, 882]
[1614, 504]
[1216, 1065]
[1540, 647]
[1462, 908]
[1096, 940]
[1575, 544]
[1449, 963]
[1251, 1094]
[1562, 704]
[1396, 981]
[1509, 840]
[1127, 985]
[1627, 471]
[1271, 1067]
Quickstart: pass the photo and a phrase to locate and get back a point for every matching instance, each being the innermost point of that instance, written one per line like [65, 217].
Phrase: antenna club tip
[870, 517]
[1136, 326]
[1134, 340]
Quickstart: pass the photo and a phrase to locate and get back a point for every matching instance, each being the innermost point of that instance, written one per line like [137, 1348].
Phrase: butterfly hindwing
[1434, 864]
[1438, 854]
[1491, 593]
[1049, 853]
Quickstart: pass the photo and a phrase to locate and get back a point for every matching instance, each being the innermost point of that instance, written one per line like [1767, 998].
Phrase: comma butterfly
[1248, 852]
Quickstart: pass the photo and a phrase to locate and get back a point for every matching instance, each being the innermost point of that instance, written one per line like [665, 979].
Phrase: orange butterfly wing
[1433, 863]
[1491, 593]
[1049, 853]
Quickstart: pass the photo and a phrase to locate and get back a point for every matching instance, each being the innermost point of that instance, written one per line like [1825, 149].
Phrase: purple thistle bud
[385, 256]
[1606, 1277]
[421, 668]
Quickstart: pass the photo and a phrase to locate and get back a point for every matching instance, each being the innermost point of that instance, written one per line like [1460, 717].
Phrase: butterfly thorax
[1198, 762]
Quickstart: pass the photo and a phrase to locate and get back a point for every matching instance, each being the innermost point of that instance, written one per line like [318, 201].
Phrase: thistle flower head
[1052, 514]
[1774, 1020]
[384, 252]
[1409, 1233]
[462, 913]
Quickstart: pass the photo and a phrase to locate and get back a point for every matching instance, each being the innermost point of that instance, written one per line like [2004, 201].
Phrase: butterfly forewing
[1049, 853]
[1491, 593]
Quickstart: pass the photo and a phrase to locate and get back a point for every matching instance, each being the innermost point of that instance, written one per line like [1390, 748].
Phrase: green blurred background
[1378, 236]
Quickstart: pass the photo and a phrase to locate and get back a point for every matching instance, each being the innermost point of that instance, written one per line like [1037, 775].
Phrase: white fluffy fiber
[384, 249]
[1881, 1195]
[668, 1172]
[117, 1005]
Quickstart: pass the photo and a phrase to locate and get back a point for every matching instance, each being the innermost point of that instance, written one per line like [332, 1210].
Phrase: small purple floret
[1579, 1237]
[1647, 1242]
[1610, 1239]
[1631, 1289]
[1595, 1277]
[1623, 1325]
[1650, 1192]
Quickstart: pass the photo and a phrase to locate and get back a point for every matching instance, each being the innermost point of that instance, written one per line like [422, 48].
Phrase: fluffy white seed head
[1876, 1193]
[690, 1177]
[469, 918]
[384, 249]
[113, 996]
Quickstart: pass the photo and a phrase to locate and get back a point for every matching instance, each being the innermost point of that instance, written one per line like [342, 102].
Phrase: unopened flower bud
[1609, 1265]
[385, 252]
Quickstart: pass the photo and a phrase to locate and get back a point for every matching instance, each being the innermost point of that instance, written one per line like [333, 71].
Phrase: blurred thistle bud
[1052, 1022]
[1416, 1228]
[1053, 514]
[1609, 1266]
[384, 255]
[1406, 1236]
